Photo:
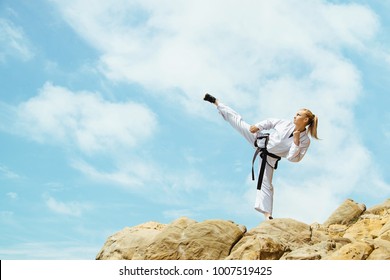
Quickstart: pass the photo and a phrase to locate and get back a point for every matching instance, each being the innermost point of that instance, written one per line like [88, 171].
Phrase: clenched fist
[253, 129]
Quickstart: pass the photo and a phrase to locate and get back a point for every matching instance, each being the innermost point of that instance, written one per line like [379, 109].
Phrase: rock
[129, 243]
[336, 230]
[182, 239]
[350, 233]
[346, 213]
[165, 245]
[271, 239]
[364, 228]
[384, 232]
[381, 209]
[257, 247]
[381, 250]
[314, 252]
[352, 251]
[210, 240]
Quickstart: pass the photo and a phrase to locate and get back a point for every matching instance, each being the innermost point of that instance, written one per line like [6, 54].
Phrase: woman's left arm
[297, 152]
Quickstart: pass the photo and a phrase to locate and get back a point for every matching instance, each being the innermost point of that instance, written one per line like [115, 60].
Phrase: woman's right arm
[264, 125]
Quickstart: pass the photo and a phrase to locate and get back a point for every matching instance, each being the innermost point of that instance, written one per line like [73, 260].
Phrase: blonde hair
[313, 123]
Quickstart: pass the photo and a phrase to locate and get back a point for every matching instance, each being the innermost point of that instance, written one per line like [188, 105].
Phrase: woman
[288, 140]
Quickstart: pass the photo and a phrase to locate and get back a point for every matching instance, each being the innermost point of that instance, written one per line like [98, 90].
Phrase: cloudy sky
[103, 126]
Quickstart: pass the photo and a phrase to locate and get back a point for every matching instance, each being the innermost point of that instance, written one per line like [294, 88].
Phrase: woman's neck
[300, 129]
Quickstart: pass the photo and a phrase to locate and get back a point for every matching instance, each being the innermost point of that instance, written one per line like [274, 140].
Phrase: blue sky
[103, 126]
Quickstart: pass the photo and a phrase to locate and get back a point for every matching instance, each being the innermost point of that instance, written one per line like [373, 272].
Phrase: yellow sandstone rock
[350, 233]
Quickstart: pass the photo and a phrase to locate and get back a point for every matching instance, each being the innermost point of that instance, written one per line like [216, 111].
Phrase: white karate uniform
[280, 143]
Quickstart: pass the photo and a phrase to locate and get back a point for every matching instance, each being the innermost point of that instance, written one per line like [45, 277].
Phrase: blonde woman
[288, 139]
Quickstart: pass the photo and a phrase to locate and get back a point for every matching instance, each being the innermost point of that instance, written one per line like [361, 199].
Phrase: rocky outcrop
[352, 232]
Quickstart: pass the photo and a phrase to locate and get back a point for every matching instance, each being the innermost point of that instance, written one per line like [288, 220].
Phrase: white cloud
[224, 47]
[7, 173]
[13, 42]
[83, 120]
[87, 125]
[72, 208]
[12, 195]
[159, 183]
[128, 178]
[266, 58]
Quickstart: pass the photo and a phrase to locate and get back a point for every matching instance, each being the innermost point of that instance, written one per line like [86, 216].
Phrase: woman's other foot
[210, 98]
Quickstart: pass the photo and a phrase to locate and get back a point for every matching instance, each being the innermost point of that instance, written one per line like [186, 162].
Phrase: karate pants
[264, 197]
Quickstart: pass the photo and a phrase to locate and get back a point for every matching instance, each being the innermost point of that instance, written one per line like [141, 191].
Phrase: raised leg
[236, 121]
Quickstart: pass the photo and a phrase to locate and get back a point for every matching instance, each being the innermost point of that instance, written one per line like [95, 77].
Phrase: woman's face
[300, 119]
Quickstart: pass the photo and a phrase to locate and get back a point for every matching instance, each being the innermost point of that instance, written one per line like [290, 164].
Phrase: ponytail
[313, 123]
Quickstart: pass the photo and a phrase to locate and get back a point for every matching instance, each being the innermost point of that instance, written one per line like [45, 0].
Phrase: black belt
[263, 152]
